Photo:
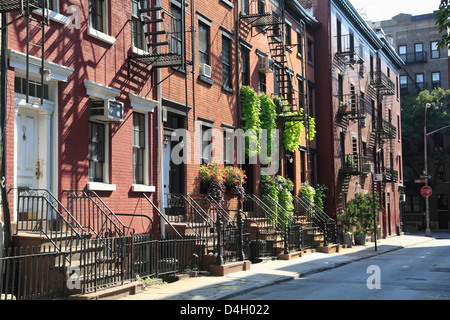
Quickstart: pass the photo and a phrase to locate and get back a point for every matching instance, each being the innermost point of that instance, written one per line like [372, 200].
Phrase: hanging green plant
[268, 120]
[251, 122]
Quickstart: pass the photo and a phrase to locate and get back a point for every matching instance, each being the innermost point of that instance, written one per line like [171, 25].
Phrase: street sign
[420, 181]
[378, 177]
[426, 192]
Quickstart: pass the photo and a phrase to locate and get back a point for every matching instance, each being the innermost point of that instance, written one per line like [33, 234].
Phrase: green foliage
[268, 119]
[442, 18]
[413, 116]
[251, 110]
[319, 197]
[307, 193]
[279, 189]
[358, 216]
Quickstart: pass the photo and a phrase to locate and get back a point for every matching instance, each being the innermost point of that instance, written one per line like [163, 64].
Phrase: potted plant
[212, 177]
[346, 221]
[361, 209]
[234, 179]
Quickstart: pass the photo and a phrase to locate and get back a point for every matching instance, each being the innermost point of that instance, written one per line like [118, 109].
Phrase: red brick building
[121, 76]
[359, 112]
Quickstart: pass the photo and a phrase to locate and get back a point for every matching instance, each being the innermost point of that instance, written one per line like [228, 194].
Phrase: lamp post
[427, 208]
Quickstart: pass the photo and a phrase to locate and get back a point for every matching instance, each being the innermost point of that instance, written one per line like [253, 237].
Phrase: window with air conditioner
[106, 110]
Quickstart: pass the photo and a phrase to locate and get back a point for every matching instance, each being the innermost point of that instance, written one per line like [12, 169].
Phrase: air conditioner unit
[106, 110]
[205, 70]
[264, 64]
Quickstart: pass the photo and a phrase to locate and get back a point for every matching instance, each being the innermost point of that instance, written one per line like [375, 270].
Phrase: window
[440, 171]
[53, 5]
[34, 87]
[419, 81]
[301, 93]
[287, 34]
[442, 202]
[303, 166]
[175, 45]
[96, 151]
[137, 28]
[403, 84]
[436, 80]
[402, 53]
[138, 147]
[245, 66]
[226, 62]
[203, 43]
[310, 51]
[300, 44]
[435, 53]
[262, 85]
[261, 6]
[97, 15]
[206, 148]
[418, 52]
[412, 204]
[276, 28]
[245, 6]
[228, 152]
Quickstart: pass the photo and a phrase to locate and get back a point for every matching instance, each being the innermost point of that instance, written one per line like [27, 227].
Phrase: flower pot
[347, 237]
[360, 240]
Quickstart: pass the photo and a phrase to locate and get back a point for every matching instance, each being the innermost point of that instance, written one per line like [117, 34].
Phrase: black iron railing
[318, 218]
[39, 211]
[94, 215]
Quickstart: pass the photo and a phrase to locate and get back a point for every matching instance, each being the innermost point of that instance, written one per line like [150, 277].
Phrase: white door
[28, 166]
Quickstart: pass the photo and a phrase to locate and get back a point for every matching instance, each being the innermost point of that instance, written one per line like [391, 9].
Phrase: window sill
[54, 16]
[206, 80]
[227, 89]
[138, 51]
[142, 188]
[100, 186]
[228, 3]
[101, 36]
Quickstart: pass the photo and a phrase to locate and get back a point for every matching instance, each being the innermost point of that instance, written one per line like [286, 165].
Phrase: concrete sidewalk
[272, 272]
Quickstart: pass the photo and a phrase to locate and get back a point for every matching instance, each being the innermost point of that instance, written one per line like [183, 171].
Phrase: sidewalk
[272, 272]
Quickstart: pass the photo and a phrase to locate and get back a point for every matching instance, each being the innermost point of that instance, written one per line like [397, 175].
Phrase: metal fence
[37, 274]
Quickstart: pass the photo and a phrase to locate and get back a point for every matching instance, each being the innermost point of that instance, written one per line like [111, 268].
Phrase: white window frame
[99, 91]
[144, 106]
[102, 35]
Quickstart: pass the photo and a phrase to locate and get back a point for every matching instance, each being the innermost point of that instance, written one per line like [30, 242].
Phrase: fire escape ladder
[170, 43]
[36, 27]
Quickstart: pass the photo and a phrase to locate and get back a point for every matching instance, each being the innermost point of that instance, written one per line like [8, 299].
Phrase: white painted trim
[54, 16]
[96, 90]
[142, 188]
[142, 104]
[18, 60]
[101, 36]
[100, 186]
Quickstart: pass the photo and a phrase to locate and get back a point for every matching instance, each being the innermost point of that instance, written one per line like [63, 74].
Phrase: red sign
[426, 192]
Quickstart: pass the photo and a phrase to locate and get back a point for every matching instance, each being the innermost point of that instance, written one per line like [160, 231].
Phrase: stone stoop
[295, 255]
[332, 248]
[111, 293]
[231, 267]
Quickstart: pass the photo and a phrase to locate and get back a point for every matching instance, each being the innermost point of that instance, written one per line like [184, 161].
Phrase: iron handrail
[162, 216]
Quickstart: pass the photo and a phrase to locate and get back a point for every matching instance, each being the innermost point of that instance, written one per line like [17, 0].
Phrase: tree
[443, 22]
[413, 117]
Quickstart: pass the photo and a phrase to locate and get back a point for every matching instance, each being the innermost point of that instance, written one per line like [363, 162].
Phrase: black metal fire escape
[170, 43]
[351, 108]
[275, 28]
[21, 9]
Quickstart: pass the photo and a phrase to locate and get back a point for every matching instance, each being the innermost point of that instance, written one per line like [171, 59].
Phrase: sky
[385, 9]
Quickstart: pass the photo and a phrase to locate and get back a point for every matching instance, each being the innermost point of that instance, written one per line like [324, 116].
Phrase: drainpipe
[160, 137]
[3, 106]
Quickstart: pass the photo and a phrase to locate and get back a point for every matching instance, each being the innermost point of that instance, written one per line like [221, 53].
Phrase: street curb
[300, 275]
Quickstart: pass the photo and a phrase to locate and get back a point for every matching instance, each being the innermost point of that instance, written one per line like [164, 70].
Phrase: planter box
[360, 240]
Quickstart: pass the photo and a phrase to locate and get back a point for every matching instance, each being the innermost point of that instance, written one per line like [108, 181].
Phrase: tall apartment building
[415, 39]
[358, 112]
[426, 68]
